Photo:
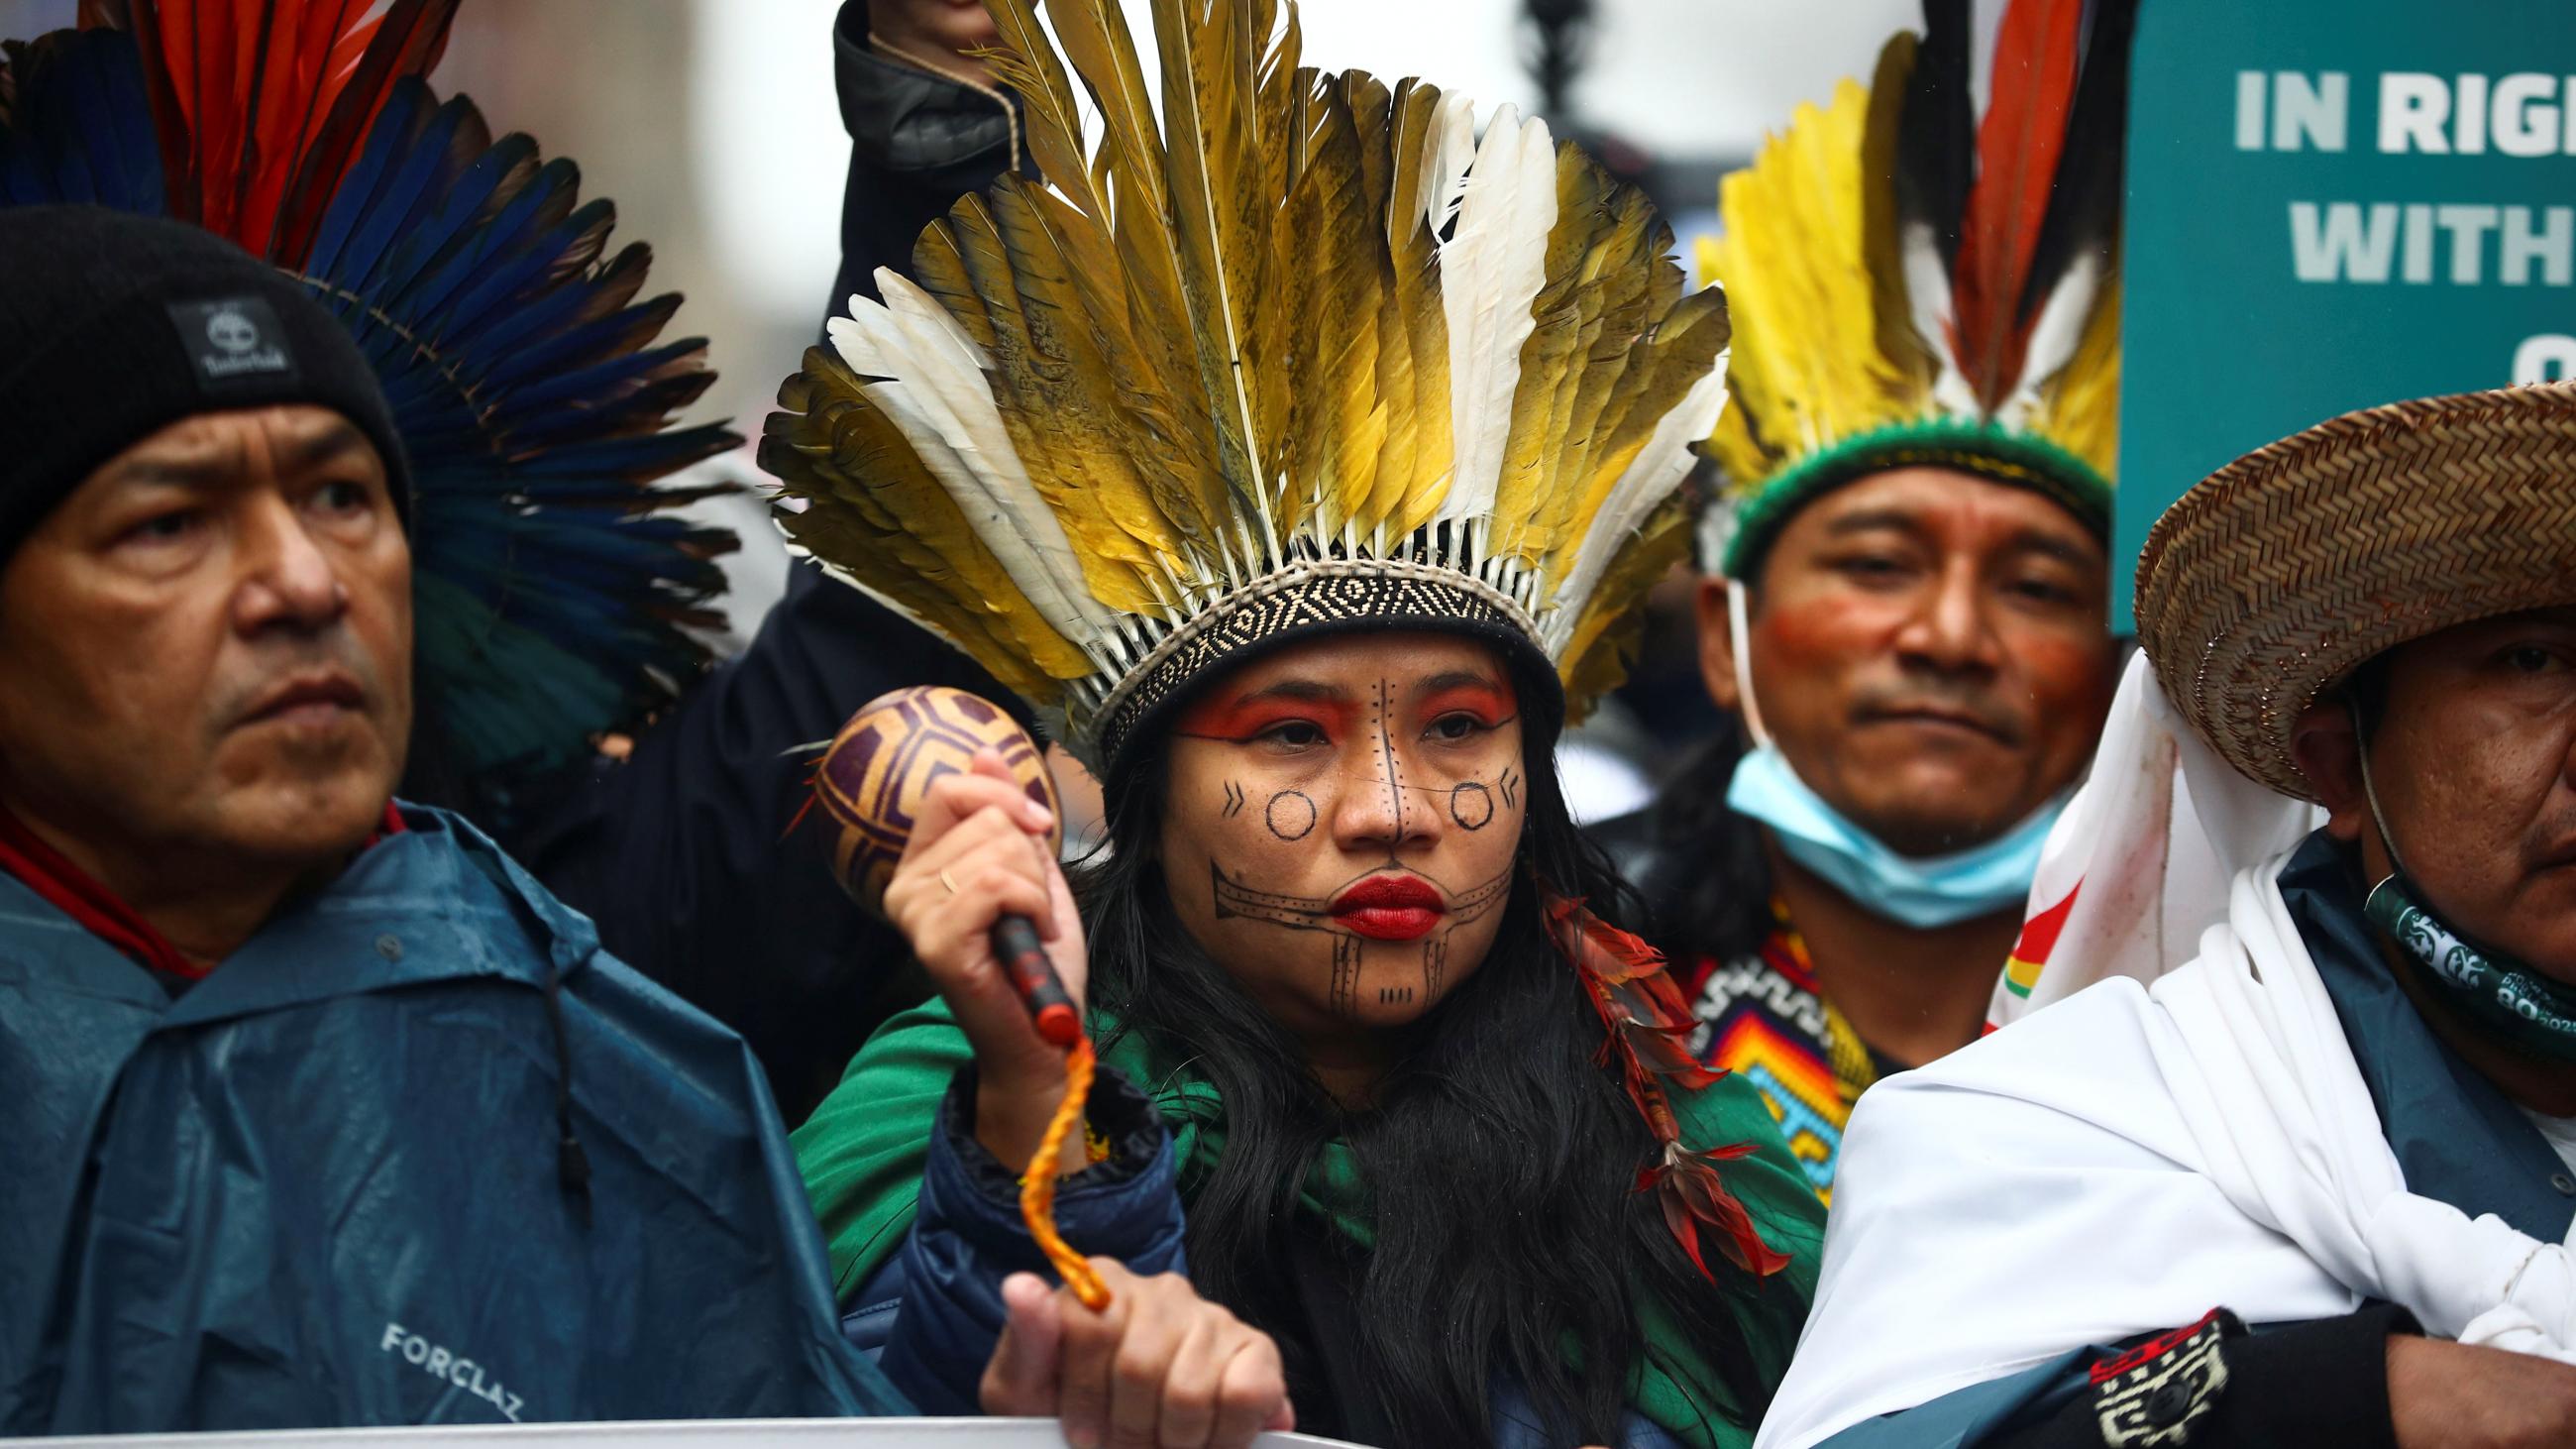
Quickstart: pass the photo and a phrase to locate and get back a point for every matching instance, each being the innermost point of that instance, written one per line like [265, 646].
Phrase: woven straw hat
[2281, 572]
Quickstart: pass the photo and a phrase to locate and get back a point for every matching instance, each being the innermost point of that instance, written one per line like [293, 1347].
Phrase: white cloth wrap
[2271, 1092]
[2125, 1161]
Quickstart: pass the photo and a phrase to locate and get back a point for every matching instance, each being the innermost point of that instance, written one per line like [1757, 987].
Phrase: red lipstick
[1390, 907]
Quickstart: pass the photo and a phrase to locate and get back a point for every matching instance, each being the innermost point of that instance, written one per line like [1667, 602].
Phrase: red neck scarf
[75, 893]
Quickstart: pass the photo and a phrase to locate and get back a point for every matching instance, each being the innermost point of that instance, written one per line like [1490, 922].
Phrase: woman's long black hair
[1706, 879]
[1500, 1157]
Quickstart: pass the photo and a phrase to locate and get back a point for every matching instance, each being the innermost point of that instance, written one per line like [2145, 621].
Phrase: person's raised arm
[1159, 1366]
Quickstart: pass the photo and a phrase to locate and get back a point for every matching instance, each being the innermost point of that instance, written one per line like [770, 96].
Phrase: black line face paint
[1234, 900]
[1382, 719]
[1471, 805]
[1409, 748]
[1290, 815]
[1311, 913]
[1345, 997]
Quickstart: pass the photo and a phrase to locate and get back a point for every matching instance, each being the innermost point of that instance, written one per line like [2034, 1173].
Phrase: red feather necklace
[1649, 1028]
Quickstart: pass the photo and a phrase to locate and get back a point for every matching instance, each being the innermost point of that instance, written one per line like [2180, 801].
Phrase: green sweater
[862, 1154]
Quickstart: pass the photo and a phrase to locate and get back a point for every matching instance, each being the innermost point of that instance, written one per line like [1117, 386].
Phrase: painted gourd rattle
[873, 780]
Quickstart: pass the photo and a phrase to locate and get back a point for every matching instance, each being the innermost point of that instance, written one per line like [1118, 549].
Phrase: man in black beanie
[177, 418]
[315, 1109]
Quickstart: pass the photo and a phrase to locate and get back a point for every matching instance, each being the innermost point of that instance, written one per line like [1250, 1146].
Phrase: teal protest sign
[2334, 203]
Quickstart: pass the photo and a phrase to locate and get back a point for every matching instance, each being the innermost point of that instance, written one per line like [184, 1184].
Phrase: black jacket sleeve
[2212, 1385]
[684, 854]
[933, 1314]
[686, 858]
[917, 143]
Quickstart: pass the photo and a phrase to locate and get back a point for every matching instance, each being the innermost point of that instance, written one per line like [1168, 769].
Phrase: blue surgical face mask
[1922, 892]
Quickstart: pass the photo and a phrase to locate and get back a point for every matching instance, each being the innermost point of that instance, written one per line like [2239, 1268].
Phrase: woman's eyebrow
[1457, 679]
[1223, 717]
[1306, 689]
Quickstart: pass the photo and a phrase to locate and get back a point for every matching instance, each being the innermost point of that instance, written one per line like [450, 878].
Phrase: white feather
[1927, 298]
[2054, 335]
[1452, 144]
[1650, 479]
[1491, 271]
[935, 393]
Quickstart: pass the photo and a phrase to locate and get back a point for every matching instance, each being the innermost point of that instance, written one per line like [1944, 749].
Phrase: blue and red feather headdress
[552, 589]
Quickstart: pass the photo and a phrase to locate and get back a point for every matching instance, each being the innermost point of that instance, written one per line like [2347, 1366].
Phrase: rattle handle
[1024, 960]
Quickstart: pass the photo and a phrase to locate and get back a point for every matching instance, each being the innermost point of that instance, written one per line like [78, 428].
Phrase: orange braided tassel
[1037, 1186]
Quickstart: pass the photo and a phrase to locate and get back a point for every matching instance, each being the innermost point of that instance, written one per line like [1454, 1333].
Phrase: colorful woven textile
[1762, 1018]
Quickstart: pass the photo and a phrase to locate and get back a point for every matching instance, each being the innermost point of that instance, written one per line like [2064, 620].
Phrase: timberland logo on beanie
[233, 339]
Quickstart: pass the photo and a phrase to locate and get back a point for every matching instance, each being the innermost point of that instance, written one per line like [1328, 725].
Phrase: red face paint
[1240, 718]
[1487, 704]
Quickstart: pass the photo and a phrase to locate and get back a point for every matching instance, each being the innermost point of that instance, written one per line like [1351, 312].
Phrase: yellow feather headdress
[1911, 287]
[1305, 354]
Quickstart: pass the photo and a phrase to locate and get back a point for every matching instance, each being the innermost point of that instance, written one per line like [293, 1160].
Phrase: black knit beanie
[114, 326]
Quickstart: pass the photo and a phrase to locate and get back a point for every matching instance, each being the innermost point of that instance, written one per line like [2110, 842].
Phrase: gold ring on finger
[944, 880]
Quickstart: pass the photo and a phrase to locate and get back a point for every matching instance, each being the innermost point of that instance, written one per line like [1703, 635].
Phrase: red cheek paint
[1815, 630]
[1219, 717]
[2061, 663]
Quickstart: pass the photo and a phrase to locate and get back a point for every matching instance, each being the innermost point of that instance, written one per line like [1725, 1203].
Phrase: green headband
[1989, 450]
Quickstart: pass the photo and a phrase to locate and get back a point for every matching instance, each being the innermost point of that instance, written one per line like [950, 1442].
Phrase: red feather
[2017, 151]
[1693, 1177]
[408, 43]
[261, 105]
[1647, 1027]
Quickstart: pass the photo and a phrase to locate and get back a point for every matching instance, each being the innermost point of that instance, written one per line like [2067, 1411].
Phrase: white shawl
[2132, 1157]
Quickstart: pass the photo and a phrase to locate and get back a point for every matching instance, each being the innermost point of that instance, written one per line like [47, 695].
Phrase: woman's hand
[1161, 1368]
[979, 851]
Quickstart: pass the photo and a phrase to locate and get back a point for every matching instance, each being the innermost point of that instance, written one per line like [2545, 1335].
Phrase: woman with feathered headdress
[1300, 458]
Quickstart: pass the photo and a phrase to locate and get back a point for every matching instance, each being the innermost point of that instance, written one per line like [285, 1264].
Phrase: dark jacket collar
[434, 903]
[903, 118]
[2456, 1137]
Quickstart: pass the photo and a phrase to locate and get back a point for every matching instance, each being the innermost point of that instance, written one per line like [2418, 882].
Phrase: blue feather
[387, 140]
[541, 207]
[581, 344]
[549, 599]
[567, 303]
[85, 130]
[428, 247]
[103, 105]
[409, 189]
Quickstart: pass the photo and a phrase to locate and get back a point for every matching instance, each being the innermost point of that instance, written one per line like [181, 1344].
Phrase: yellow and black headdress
[1306, 354]
[1914, 287]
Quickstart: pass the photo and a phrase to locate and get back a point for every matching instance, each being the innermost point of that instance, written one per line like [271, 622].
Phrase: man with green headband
[1907, 592]
[2289, 1157]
